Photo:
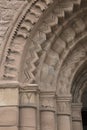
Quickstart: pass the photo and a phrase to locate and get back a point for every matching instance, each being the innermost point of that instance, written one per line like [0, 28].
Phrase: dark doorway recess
[84, 118]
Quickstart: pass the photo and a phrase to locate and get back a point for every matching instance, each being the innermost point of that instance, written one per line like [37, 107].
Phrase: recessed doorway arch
[84, 109]
[79, 99]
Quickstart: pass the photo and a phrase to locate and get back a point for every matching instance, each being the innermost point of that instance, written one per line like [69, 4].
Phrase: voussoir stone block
[9, 96]
[8, 116]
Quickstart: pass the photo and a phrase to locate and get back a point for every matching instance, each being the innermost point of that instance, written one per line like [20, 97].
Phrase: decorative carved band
[28, 96]
[76, 111]
[32, 14]
[64, 105]
[47, 101]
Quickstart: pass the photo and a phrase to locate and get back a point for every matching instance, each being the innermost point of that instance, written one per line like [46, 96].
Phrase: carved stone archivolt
[20, 32]
[75, 59]
[40, 37]
[24, 26]
[69, 44]
[44, 52]
[81, 82]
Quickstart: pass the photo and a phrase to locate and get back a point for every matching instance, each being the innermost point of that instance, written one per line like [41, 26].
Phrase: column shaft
[28, 108]
[48, 111]
[27, 118]
[64, 123]
[47, 120]
[64, 113]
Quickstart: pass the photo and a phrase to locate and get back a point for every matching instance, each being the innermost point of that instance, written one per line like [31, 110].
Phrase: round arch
[22, 30]
[42, 55]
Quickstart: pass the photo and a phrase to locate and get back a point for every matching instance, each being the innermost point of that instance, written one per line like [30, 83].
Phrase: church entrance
[84, 118]
[84, 110]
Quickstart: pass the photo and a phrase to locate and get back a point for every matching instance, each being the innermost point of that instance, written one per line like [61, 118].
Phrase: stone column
[28, 108]
[76, 116]
[47, 101]
[9, 106]
[64, 112]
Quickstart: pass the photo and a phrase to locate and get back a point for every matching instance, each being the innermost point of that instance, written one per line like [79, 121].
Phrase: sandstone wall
[8, 9]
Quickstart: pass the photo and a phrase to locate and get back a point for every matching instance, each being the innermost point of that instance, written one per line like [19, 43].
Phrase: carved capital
[28, 96]
[76, 111]
[64, 105]
[48, 101]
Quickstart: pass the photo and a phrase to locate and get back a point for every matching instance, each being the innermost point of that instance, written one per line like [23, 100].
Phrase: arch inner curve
[43, 70]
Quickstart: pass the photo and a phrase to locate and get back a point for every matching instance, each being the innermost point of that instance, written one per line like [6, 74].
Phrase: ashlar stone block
[9, 96]
[28, 117]
[8, 116]
[9, 128]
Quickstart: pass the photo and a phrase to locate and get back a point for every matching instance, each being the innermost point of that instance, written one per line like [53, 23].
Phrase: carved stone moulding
[47, 101]
[19, 35]
[11, 70]
[64, 105]
[79, 84]
[73, 61]
[29, 95]
[66, 47]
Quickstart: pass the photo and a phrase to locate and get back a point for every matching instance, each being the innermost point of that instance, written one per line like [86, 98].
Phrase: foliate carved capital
[64, 105]
[76, 111]
[48, 101]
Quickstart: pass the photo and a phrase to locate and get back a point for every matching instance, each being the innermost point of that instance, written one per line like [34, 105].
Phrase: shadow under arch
[79, 93]
[84, 108]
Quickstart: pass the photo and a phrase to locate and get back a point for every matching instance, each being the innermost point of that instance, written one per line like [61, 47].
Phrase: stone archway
[42, 55]
[78, 91]
[79, 112]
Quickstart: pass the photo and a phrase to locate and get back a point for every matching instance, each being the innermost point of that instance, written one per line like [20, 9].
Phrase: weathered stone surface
[9, 97]
[8, 9]
[9, 128]
[8, 116]
[64, 122]
[27, 128]
[28, 117]
[45, 43]
[27, 97]
[77, 116]
[47, 120]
